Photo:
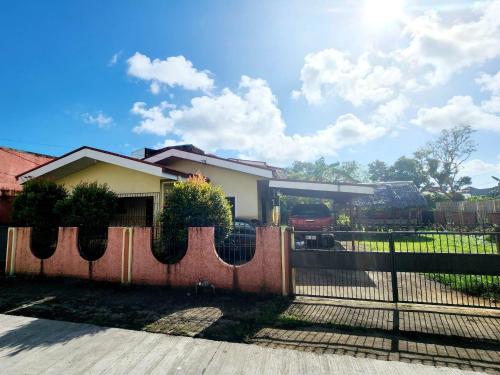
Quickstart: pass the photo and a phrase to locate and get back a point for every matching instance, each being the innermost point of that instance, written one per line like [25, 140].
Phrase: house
[142, 180]
[471, 191]
[12, 163]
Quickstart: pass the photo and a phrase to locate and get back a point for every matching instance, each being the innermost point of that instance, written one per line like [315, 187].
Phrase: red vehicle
[310, 217]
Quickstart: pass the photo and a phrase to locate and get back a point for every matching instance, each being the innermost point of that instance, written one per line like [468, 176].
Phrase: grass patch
[427, 243]
[476, 285]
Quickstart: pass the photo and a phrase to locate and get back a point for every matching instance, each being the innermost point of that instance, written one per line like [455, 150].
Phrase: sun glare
[380, 12]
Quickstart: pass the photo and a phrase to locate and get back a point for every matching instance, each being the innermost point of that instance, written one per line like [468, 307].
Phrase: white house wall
[242, 186]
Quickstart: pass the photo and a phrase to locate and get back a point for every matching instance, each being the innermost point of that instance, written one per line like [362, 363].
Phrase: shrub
[35, 207]
[194, 202]
[90, 207]
[343, 220]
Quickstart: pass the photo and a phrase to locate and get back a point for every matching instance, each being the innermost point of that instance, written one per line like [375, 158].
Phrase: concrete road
[34, 346]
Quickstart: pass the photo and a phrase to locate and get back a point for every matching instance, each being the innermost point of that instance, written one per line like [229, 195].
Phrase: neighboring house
[476, 192]
[12, 163]
[141, 181]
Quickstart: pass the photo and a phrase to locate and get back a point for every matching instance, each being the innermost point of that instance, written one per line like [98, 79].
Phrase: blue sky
[270, 80]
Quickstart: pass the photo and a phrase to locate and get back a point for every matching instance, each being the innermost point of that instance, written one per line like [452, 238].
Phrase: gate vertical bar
[394, 274]
[395, 292]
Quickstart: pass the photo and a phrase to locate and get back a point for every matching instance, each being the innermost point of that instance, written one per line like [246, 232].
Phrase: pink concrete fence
[128, 259]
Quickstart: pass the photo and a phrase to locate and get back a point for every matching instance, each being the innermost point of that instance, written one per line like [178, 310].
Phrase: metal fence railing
[449, 268]
[236, 245]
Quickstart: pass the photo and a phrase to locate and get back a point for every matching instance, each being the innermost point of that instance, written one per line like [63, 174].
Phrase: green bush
[36, 207]
[90, 207]
[194, 203]
[343, 220]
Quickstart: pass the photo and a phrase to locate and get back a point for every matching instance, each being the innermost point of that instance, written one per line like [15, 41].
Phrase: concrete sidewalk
[33, 346]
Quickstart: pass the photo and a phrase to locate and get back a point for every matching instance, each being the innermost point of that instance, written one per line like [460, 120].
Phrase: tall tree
[409, 169]
[378, 170]
[321, 171]
[442, 159]
[403, 169]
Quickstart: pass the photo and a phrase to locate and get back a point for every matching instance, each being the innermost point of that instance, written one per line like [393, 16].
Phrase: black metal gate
[444, 268]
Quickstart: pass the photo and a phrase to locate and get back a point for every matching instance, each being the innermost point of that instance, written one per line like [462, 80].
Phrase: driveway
[33, 346]
[413, 287]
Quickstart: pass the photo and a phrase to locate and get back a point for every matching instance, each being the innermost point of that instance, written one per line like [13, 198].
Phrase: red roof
[14, 162]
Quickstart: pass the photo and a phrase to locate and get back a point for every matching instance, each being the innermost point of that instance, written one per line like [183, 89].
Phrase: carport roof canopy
[340, 193]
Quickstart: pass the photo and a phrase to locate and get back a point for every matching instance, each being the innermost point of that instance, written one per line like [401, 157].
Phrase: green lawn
[485, 286]
[425, 243]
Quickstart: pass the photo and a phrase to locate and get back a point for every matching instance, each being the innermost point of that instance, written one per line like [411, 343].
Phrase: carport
[341, 193]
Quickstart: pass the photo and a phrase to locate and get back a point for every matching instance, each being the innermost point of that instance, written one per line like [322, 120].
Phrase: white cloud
[489, 83]
[391, 112]
[114, 59]
[478, 167]
[445, 48]
[153, 121]
[433, 50]
[250, 122]
[331, 72]
[460, 110]
[155, 87]
[491, 105]
[99, 118]
[173, 71]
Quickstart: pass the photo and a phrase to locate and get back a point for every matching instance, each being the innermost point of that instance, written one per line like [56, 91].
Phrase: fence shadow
[332, 278]
[467, 341]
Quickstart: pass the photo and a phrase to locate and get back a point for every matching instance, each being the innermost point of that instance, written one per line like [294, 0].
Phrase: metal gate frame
[395, 262]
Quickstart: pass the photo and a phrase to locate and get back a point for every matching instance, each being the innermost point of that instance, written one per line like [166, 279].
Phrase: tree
[409, 169]
[35, 207]
[403, 169]
[90, 207]
[441, 160]
[353, 171]
[191, 203]
[320, 171]
[378, 171]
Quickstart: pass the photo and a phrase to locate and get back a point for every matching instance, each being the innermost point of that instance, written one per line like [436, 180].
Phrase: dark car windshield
[243, 227]
[310, 210]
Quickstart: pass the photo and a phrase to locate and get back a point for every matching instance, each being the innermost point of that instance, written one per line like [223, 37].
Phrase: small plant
[192, 203]
[343, 220]
[36, 207]
[90, 207]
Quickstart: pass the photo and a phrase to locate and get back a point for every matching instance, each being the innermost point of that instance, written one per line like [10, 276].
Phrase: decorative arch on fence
[129, 259]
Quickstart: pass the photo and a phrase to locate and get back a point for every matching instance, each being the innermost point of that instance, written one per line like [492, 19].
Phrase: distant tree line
[433, 168]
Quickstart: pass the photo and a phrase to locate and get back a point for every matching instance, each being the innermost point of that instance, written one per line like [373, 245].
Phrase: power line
[33, 143]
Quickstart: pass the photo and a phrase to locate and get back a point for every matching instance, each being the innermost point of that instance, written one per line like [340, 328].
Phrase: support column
[127, 255]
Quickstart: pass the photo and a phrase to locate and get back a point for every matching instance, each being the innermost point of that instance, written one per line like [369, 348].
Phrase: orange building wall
[129, 259]
[12, 163]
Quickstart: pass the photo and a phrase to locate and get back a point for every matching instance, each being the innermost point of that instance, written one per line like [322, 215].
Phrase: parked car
[308, 220]
[310, 217]
[239, 245]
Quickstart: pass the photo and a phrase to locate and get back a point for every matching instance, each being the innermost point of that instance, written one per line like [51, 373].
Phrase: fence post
[497, 237]
[292, 270]
[394, 275]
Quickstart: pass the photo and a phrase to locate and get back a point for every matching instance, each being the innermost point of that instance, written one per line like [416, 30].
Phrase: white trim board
[98, 156]
[205, 159]
[319, 186]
